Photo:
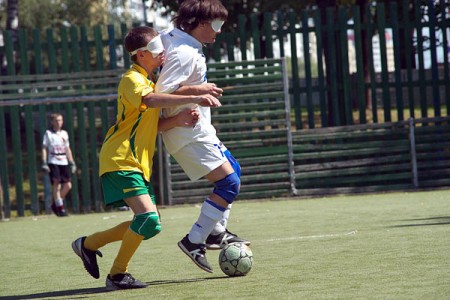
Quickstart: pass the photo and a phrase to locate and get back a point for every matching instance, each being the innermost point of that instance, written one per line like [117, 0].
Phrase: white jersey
[185, 64]
[56, 144]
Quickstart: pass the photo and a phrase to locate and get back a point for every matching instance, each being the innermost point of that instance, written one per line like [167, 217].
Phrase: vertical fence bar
[412, 142]
[31, 157]
[112, 47]
[360, 76]
[126, 57]
[23, 52]
[268, 34]
[381, 27]
[84, 44]
[373, 81]
[83, 150]
[421, 67]
[280, 32]
[343, 38]
[75, 49]
[320, 69]
[287, 108]
[9, 49]
[294, 66]
[434, 63]
[307, 63]
[446, 49]
[37, 51]
[16, 138]
[393, 9]
[51, 52]
[332, 65]
[242, 33]
[99, 47]
[408, 56]
[4, 172]
[255, 35]
[229, 41]
[64, 50]
[69, 125]
[95, 182]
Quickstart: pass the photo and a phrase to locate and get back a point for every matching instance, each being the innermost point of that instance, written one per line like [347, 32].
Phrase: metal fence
[342, 72]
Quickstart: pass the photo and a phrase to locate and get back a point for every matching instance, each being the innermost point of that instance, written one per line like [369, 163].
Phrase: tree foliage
[246, 7]
[52, 13]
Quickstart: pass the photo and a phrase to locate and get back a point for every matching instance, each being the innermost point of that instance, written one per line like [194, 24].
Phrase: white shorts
[199, 159]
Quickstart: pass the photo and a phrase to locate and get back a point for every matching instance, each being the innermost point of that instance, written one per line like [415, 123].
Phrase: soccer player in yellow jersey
[126, 157]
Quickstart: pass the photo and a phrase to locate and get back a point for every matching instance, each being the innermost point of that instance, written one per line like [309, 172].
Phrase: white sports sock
[59, 202]
[208, 218]
[221, 226]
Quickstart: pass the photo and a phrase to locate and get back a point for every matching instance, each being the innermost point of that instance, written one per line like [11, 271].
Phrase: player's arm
[44, 165]
[170, 100]
[188, 117]
[69, 155]
[206, 88]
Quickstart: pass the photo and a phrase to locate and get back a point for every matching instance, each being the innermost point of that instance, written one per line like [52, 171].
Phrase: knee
[228, 188]
[147, 224]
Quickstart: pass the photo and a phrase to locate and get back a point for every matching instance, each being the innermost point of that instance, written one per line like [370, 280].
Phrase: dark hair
[138, 37]
[193, 12]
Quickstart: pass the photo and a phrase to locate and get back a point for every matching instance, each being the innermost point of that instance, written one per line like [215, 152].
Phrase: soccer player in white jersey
[126, 158]
[198, 150]
[57, 160]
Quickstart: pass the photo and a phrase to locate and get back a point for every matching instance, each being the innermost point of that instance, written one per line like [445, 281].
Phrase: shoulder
[131, 78]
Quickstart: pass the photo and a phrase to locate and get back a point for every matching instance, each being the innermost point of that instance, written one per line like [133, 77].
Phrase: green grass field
[386, 246]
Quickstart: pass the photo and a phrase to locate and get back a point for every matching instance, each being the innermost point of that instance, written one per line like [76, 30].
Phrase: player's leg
[65, 187]
[220, 235]
[145, 224]
[57, 203]
[207, 160]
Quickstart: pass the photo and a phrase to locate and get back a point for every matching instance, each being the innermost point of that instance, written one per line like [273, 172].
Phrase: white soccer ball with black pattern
[236, 259]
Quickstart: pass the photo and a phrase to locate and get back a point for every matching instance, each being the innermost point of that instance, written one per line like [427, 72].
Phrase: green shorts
[124, 184]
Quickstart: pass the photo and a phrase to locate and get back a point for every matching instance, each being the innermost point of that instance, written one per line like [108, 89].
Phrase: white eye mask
[155, 47]
[217, 25]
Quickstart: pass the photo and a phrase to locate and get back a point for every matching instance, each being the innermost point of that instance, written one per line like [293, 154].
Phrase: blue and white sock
[210, 214]
[221, 226]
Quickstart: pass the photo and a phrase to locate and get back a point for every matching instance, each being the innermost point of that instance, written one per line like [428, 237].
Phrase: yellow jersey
[129, 144]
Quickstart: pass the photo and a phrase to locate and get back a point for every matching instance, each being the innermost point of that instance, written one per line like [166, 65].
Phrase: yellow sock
[130, 243]
[100, 239]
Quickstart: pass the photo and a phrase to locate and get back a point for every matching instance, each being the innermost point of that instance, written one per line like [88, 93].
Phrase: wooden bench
[400, 156]
[54, 88]
[432, 151]
[254, 125]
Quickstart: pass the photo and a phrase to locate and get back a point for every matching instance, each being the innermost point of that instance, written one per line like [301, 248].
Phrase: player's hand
[45, 167]
[208, 100]
[188, 117]
[210, 88]
[73, 167]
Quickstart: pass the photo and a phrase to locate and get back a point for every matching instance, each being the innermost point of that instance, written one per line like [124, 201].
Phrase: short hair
[138, 37]
[193, 12]
[53, 116]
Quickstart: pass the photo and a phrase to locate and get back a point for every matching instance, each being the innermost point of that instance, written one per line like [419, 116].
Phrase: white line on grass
[320, 236]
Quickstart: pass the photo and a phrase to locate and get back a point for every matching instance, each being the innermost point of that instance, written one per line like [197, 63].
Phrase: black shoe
[62, 212]
[216, 242]
[59, 211]
[196, 252]
[88, 257]
[123, 281]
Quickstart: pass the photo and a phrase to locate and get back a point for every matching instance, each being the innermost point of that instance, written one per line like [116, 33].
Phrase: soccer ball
[236, 259]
